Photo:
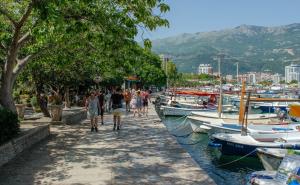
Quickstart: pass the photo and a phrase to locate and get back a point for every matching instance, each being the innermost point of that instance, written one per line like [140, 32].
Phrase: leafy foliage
[9, 125]
[67, 43]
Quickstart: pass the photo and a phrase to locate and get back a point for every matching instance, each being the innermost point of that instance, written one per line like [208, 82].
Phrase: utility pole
[237, 72]
[166, 60]
[220, 59]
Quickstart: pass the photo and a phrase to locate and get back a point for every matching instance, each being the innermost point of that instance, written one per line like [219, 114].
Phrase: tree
[33, 29]
[293, 82]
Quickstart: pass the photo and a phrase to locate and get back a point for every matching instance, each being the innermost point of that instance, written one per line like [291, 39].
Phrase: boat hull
[176, 111]
[268, 109]
[235, 144]
[231, 148]
[270, 161]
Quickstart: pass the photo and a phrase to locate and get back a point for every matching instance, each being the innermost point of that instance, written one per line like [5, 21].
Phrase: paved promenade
[143, 152]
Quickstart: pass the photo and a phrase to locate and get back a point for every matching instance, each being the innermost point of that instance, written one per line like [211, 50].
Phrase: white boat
[237, 144]
[288, 173]
[198, 118]
[260, 132]
[181, 111]
[272, 157]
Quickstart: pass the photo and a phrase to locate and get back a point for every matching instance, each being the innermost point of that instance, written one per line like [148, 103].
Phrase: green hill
[256, 48]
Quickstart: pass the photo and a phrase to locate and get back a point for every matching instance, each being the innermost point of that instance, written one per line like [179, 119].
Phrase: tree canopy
[67, 42]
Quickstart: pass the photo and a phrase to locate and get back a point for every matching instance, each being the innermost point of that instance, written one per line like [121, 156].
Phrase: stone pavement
[142, 152]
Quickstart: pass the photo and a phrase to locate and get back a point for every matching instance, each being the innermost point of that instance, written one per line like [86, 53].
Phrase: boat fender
[214, 145]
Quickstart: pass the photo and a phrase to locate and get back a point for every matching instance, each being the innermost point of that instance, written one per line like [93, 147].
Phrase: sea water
[210, 159]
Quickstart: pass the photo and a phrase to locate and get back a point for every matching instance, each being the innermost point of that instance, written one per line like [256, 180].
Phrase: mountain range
[255, 48]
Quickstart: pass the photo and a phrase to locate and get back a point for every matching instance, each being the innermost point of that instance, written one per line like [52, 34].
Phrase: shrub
[9, 125]
[34, 101]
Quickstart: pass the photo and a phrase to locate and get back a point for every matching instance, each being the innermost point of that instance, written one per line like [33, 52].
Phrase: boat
[237, 144]
[288, 173]
[260, 132]
[245, 144]
[183, 111]
[197, 119]
[272, 157]
[271, 107]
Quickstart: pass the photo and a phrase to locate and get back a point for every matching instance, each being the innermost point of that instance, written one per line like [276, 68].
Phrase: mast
[221, 56]
[242, 106]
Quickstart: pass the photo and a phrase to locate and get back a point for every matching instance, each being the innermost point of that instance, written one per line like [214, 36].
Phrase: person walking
[133, 102]
[116, 99]
[146, 101]
[101, 104]
[92, 106]
[139, 102]
[127, 98]
[108, 101]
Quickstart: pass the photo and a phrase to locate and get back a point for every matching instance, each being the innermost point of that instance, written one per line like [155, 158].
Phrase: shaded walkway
[143, 152]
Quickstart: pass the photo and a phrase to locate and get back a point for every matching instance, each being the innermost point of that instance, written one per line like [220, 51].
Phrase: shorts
[92, 114]
[145, 104]
[117, 112]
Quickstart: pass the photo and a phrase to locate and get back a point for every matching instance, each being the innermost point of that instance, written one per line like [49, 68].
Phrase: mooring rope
[185, 135]
[190, 143]
[237, 159]
[183, 123]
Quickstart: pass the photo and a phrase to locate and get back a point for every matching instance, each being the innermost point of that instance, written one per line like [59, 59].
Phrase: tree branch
[21, 64]
[23, 39]
[7, 15]
[26, 14]
[2, 46]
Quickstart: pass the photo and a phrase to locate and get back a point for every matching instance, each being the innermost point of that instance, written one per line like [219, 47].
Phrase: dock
[142, 152]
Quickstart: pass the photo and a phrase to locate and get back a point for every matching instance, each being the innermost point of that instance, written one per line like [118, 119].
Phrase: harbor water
[222, 169]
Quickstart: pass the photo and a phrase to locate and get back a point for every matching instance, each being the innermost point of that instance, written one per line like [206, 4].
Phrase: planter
[56, 112]
[20, 110]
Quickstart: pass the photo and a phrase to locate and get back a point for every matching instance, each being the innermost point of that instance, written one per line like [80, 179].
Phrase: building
[164, 59]
[205, 69]
[251, 78]
[292, 72]
[276, 78]
[229, 77]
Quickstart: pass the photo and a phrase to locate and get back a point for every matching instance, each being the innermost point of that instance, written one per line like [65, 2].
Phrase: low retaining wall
[14, 147]
[73, 117]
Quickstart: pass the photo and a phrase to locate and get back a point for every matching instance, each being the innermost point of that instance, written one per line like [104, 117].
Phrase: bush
[34, 101]
[9, 125]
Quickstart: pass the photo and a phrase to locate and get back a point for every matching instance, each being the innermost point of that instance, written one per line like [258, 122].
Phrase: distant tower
[205, 69]
[292, 72]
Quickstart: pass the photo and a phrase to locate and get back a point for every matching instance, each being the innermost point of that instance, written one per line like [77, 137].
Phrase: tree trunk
[67, 97]
[6, 98]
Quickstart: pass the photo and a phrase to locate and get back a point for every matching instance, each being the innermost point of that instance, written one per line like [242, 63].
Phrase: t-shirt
[127, 96]
[116, 100]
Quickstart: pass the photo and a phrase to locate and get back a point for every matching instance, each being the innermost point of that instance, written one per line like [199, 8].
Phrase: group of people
[98, 102]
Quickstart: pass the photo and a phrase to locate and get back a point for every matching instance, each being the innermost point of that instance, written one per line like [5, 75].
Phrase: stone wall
[14, 147]
[74, 117]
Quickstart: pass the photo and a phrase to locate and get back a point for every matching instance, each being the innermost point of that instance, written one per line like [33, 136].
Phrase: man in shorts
[116, 99]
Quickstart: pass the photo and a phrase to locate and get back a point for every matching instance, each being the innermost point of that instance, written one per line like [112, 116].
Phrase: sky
[191, 16]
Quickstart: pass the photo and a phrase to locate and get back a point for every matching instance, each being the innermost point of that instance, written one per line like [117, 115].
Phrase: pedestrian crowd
[116, 102]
